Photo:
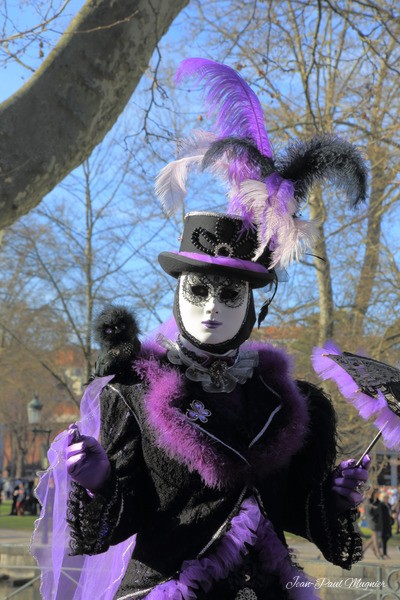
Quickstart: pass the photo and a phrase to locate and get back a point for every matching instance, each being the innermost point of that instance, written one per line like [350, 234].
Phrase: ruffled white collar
[215, 372]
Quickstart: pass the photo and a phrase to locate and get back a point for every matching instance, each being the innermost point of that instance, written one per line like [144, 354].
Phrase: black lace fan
[371, 386]
[372, 375]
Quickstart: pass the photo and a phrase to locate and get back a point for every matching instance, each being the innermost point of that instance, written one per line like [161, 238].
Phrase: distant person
[20, 496]
[396, 514]
[373, 513]
[8, 489]
[31, 502]
[14, 501]
[387, 522]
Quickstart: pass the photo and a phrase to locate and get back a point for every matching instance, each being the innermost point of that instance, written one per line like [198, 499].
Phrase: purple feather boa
[367, 406]
[193, 447]
[249, 527]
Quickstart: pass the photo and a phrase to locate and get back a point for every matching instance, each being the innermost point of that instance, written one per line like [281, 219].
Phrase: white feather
[196, 142]
[200, 141]
[291, 236]
[293, 241]
[254, 198]
[170, 186]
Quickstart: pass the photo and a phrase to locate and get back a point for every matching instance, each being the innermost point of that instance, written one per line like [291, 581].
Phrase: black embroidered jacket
[183, 461]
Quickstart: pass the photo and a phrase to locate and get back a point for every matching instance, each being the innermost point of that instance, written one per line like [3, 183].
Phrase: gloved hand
[87, 461]
[350, 483]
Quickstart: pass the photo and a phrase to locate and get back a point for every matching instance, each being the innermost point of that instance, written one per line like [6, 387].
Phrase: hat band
[226, 261]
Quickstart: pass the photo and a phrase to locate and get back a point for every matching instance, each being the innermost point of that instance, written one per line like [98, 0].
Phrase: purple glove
[350, 483]
[87, 461]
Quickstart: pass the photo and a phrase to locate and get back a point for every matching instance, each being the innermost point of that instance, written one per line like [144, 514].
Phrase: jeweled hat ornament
[218, 244]
[261, 233]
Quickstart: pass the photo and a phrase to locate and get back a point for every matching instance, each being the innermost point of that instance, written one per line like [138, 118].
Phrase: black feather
[239, 148]
[265, 307]
[116, 331]
[325, 157]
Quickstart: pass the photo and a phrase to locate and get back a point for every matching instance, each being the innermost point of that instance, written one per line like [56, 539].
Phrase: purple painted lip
[211, 324]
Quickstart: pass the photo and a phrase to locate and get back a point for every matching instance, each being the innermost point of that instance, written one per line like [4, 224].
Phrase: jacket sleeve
[115, 512]
[309, 509]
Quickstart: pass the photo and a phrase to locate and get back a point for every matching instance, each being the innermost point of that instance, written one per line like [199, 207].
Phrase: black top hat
[219, 244]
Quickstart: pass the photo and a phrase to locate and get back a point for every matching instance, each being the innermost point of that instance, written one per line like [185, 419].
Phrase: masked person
[209, 449]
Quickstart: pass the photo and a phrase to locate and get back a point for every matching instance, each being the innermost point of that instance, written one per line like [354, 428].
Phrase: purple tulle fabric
[248, 528]
[367, 406]
[168, 329]
[67, 577]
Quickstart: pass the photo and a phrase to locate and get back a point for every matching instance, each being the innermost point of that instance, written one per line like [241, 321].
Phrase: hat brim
[176, 263]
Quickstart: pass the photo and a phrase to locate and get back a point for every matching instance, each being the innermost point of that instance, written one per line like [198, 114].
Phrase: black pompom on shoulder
[116, 331]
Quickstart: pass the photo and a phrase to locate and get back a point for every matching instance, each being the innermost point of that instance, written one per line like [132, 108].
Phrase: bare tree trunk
[326, 317]
[88, 272]
[20, 453]
[20, 465]
[53, 123]
[365, 283]
[378, 154]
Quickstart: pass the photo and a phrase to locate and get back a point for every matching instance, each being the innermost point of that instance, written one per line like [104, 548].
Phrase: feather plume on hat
[265, 190]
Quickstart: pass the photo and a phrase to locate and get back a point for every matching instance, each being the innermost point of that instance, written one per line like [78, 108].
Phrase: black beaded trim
[209, 237]
[223, 250]
[203, 360]
[92, 520]
[240, 245]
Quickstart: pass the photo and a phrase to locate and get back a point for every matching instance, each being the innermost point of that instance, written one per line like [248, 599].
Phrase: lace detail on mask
[199, 288]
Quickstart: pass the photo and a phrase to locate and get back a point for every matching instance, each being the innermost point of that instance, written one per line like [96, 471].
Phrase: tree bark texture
[51, 125]
[370, 263]
[323, 270]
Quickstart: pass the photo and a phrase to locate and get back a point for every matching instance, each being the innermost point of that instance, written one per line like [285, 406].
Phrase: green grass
[24, 522]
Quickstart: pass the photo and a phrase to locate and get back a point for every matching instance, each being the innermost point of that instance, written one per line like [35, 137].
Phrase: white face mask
[212, 308]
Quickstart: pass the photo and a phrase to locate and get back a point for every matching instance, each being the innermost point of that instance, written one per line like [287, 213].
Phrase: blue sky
[12, 77]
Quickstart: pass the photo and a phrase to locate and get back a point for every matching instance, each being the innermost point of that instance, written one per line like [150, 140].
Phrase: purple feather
[248, 528]
[238, 109]
[367, 406]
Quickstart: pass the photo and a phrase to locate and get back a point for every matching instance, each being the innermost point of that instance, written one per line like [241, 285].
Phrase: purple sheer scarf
[168, 329]
[67, 577]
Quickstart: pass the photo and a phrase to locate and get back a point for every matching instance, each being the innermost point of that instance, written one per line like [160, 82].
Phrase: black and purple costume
[190, 466]
[209, 449]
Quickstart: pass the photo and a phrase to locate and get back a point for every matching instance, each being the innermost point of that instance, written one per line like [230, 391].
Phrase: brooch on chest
[197, 412]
